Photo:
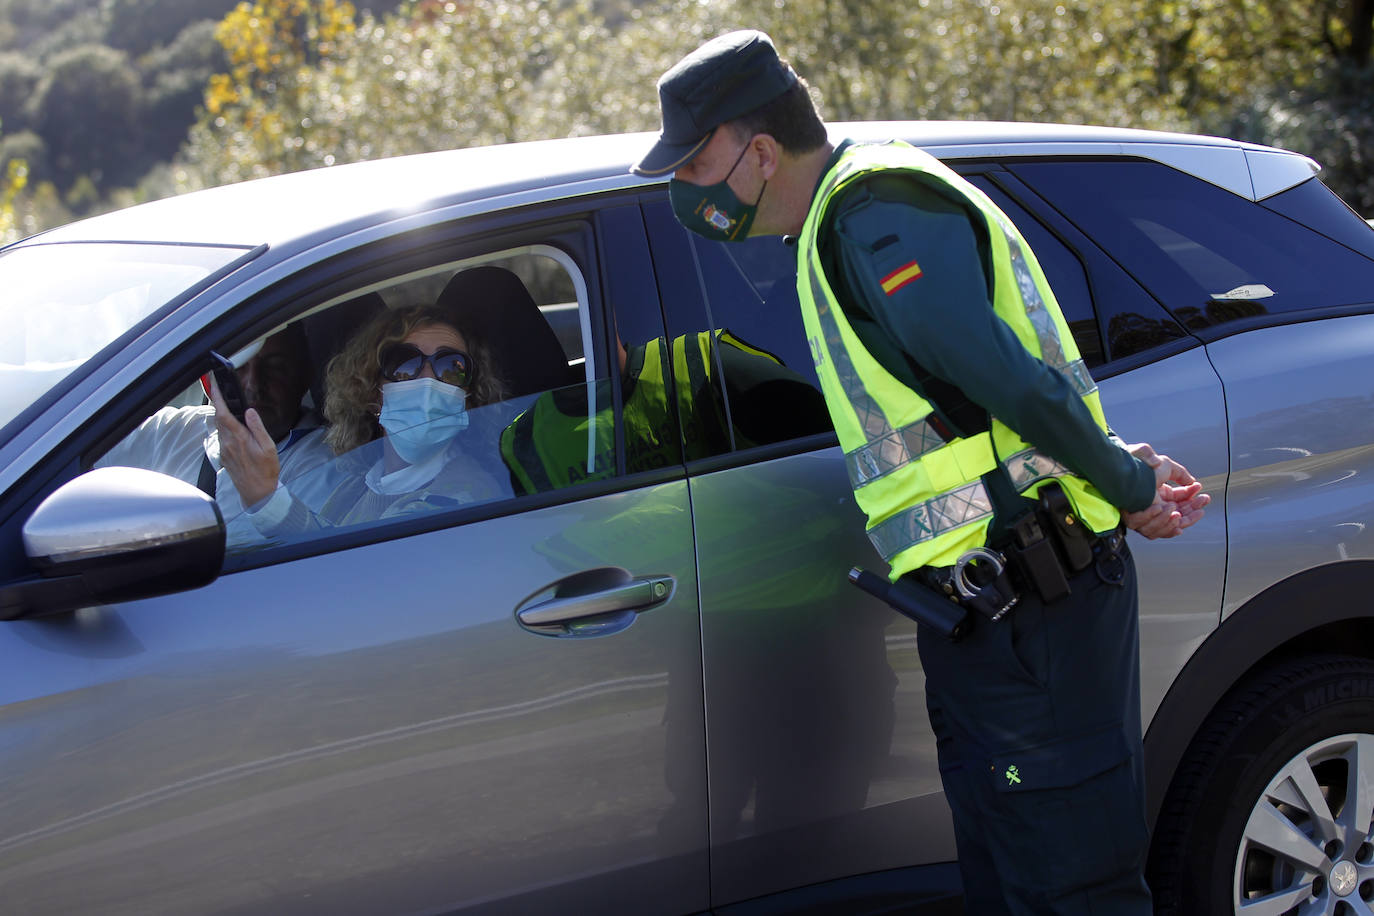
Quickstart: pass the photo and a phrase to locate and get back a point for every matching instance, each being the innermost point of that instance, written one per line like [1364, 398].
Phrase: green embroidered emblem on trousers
[1013, 776]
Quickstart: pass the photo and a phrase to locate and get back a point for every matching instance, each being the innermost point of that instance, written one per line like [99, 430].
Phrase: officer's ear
[767, 152]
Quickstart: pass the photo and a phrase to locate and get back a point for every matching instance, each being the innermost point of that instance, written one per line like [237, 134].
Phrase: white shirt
[177, 440]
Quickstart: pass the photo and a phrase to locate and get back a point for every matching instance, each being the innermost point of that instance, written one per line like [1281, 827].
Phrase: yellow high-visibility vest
[924, 497]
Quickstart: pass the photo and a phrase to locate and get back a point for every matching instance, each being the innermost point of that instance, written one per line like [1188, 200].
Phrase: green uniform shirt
[940, 336]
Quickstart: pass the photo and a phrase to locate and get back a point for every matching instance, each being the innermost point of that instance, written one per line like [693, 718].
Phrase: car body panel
[229, 748]
[821, 756]
[1182, 580]
[1301, 405]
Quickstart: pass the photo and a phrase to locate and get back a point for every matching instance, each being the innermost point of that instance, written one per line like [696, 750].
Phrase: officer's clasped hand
[1179, 501]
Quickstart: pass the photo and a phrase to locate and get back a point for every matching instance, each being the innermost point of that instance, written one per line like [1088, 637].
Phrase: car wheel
[1270, 811]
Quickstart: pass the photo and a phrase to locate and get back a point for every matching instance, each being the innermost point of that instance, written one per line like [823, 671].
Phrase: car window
[56, 318]
[455, 385]
[1092, 290]
[1314, 204]
[1062, 269]
[1210, 256]
[733, 314]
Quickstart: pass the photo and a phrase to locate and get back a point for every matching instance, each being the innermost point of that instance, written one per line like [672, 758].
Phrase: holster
[1050, 544]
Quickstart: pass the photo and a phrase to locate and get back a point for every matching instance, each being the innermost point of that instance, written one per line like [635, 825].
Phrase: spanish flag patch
[901, 277]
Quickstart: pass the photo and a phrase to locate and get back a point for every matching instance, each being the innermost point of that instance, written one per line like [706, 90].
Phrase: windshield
[60, 304]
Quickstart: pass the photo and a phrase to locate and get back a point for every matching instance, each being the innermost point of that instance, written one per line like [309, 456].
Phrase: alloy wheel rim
[1307, 848]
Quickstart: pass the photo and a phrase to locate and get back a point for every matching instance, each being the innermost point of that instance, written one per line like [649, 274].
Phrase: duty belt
[1047, 547]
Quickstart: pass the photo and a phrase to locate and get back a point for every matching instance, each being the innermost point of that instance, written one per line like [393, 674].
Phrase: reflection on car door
[821, 756]
[367, 731]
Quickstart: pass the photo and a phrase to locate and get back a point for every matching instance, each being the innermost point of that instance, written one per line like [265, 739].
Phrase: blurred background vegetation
[105, 103]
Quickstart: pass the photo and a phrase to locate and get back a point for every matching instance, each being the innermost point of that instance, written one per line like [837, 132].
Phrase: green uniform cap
[725, 78]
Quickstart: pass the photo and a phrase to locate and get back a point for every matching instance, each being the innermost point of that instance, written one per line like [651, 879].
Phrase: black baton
[917, 602]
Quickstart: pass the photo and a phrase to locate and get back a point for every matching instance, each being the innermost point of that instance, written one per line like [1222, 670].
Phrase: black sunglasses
[404, 362]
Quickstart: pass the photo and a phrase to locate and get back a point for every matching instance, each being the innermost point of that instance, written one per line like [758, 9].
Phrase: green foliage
[440, 75]
[83, 27]
[174, 79]
[432, 77]
[281, 85]
[19, 76]
[85, 109]
[140, 26]
[31, 22]
[1333, 120]
[13, 178]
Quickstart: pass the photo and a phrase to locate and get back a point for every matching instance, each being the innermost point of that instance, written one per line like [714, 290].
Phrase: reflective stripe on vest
[546, 448]
[925, 501]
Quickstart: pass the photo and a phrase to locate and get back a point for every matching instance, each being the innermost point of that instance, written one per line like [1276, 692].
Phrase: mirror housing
[116, 534]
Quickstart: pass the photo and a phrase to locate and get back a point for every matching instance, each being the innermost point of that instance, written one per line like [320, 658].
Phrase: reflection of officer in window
[546, 447]
[808, 730]
[965, 412]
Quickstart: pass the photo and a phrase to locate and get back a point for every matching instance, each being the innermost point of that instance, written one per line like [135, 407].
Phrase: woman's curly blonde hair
[353, 379]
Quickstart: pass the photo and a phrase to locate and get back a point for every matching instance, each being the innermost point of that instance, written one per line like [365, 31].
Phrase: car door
[823, 778]
[372, 720]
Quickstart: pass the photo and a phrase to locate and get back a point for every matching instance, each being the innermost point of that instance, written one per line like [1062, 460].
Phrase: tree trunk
[1361, 26]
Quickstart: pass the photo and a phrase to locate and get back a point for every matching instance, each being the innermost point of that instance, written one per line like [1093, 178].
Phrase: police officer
[977, 447]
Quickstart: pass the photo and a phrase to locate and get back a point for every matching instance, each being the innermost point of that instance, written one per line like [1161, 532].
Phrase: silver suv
[628, 675]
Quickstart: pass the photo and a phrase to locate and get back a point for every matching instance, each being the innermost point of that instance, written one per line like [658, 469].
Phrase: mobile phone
[227, 378]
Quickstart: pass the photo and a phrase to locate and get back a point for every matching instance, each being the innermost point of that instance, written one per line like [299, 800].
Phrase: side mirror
[116, 534]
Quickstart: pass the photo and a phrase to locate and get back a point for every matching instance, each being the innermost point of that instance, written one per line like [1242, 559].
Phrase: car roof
[295, 206]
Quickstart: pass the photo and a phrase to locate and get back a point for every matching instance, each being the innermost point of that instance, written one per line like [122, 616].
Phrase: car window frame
[1227, 328]
[1092, 257]
[378, 259]
[675, 323]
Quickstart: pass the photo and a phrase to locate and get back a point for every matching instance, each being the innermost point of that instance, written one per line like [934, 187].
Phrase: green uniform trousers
[1037, 725]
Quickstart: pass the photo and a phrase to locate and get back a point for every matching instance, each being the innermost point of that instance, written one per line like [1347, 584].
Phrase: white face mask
[421, 416]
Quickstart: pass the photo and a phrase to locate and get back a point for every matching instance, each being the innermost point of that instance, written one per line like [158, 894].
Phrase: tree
[174, 79]
[140, 26]
[14, 175]
[274, 49]
[19, 76]
[85, 109]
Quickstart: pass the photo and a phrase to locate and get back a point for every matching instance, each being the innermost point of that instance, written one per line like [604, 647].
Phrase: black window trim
[1211, 333]
[427, 245]
[1078, 243]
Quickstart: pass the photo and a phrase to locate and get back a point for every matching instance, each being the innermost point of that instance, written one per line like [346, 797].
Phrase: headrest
[328, 331]
[492, 303]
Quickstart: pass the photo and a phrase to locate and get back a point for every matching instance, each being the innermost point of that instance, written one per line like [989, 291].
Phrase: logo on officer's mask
[717, 218]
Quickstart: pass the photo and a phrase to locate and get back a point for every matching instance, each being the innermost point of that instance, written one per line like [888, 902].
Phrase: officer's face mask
[421, 416]
[714, 211]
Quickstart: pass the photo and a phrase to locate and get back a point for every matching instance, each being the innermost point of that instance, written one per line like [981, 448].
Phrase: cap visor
[668, 157]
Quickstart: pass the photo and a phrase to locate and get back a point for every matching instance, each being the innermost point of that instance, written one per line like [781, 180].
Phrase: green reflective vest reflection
[558, 442]
[924, 497]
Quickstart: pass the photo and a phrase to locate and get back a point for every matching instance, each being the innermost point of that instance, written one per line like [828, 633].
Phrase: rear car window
[1210, 256]
[1096, 297]
[1314, 204]
[739, 344]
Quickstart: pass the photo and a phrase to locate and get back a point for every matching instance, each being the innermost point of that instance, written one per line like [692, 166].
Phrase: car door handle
[635, 595]
[592, 602]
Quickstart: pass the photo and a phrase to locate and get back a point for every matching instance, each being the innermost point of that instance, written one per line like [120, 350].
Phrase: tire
[1265, 803]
